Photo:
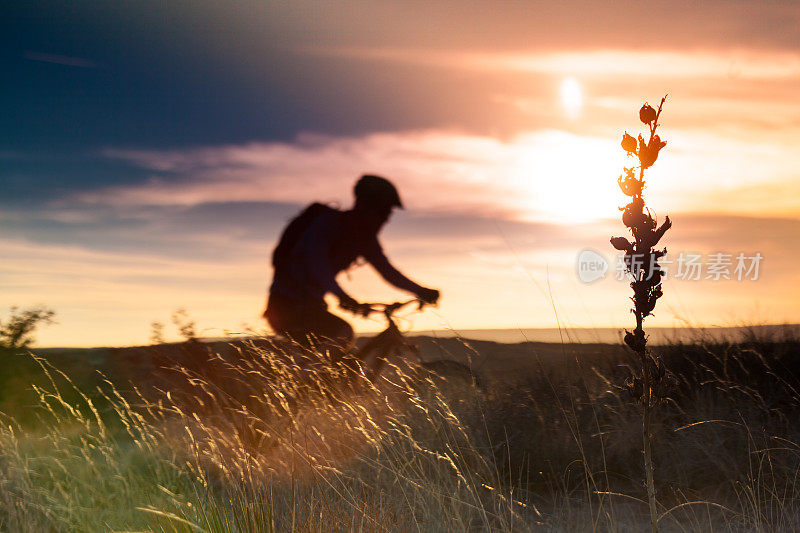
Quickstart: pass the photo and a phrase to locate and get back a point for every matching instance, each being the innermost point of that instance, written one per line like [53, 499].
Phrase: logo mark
[591, 266]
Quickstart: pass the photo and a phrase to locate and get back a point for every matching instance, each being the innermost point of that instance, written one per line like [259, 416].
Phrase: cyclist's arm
[375, 256]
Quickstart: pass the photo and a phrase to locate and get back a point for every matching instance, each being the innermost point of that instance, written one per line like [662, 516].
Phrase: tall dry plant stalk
[641, 261]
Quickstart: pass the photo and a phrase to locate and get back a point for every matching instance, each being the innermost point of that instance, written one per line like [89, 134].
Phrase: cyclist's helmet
[377, 190]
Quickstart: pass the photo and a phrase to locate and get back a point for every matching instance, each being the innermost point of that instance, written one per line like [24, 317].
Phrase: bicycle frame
[388, 343]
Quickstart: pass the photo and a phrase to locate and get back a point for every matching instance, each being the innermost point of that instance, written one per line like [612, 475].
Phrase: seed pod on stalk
[647, 114]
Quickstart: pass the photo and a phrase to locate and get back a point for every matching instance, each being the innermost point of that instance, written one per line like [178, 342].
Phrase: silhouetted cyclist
[318, 244]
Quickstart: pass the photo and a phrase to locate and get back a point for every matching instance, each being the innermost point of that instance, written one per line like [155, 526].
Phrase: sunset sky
[151, 153]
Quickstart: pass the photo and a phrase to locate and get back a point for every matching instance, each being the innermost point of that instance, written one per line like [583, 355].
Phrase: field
[189, 437]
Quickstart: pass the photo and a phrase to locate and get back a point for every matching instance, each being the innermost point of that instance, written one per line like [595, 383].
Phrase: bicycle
[391, 343]
[293, 369]
[265, 384]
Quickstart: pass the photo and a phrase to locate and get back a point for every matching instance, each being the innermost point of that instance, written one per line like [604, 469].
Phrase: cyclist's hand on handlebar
[428, 296]
[348, 303]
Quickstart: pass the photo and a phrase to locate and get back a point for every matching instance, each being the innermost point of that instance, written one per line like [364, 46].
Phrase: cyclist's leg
[333, 334]
[310, 324]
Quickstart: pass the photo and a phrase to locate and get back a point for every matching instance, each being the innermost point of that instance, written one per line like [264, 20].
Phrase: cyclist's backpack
[294, 231]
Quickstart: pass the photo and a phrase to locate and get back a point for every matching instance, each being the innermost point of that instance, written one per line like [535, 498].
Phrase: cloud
[542, 175]
[70, 61]
[210, 74]
[208, 231]
[738, 64]
[516, 25]
[434, 170]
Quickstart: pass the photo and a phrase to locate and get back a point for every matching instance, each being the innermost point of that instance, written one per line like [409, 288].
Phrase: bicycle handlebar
[389, 309]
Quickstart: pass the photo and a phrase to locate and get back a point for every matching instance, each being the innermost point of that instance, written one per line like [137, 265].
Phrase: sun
[571, 96]
[566, 178]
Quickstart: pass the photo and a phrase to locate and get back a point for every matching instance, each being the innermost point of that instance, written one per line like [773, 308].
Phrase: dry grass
[248, 441]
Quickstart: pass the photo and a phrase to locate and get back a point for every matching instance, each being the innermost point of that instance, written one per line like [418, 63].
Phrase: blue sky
[152, 151]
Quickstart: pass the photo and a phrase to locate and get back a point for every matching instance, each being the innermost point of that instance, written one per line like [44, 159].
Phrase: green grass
[248, 442]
